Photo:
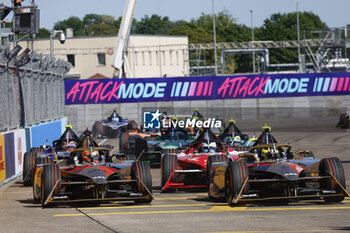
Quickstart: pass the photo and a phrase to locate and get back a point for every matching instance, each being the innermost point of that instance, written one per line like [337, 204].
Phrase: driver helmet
[205, 147]
[70, 146]
[115, 116]
[212, 147]
[90, 157]
[237, 139]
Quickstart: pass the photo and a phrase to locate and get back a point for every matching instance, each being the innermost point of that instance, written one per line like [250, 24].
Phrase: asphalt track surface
[193, 211]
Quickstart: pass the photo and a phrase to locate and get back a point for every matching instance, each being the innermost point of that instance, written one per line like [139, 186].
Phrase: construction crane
[120, 58]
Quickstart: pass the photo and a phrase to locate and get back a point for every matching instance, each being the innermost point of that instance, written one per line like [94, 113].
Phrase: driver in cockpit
[211, 148]
[90, 157]
[115, 117]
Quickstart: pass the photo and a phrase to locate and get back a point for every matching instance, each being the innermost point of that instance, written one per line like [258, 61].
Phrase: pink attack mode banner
[97, 91]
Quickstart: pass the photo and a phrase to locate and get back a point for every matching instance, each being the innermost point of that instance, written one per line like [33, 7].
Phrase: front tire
[142, 171]
[235, 176]
[334, 167]
[215, 159]
[28, 167]
[168, 166]
[51, 175]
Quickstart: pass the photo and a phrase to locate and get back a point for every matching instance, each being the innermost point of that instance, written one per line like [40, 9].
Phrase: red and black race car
[91, 174]
[188, 169]
[271, 172]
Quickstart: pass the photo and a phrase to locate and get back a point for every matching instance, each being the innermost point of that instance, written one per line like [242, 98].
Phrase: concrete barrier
[83, 116]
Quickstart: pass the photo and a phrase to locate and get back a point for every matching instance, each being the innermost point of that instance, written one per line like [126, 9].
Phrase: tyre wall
[15, 143]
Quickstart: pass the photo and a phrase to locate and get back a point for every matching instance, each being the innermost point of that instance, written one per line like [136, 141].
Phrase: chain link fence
[31, 88]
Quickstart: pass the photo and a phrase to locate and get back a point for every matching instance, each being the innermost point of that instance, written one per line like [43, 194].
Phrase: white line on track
[103, 141]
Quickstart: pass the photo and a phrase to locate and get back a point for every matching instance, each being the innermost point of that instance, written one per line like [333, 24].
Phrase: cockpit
[272, 152]
[86, 156]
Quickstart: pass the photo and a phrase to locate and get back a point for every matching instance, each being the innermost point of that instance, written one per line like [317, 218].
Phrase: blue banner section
[49, 131]
[10, 155]
[99, 91]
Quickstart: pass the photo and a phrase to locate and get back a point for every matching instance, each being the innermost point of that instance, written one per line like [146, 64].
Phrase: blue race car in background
[112, 126]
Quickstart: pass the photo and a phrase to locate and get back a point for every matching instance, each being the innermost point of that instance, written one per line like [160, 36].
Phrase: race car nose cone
[95, 174]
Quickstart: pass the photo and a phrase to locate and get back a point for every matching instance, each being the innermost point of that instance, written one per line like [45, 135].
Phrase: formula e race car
[146, 134]
[45, 153]
[271, 172]
[150, 149]
[112, 126]
[234, 138]
[91, 174]
[343, 121]
[188, 169]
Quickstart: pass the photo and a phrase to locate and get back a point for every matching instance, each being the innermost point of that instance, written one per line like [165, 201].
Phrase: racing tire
[334, 167]
[168, 165]
[132, 125]
[36, 149]
[97, 130]
[136, 145]
[142, 171]
[50, 176]
[123, 141]
[40, 161]
[43, 161]
[28, 167]
[235, 176]
[214, 159]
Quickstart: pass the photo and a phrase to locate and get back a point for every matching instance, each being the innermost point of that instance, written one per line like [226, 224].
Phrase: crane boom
[120, 61]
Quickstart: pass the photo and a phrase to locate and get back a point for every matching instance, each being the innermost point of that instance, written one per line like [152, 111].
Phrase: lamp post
[298, 32]
[214, 35]
[62, 39]
[251, 14]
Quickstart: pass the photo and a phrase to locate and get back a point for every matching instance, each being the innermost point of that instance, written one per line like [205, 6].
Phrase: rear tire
[97, 130]
[136, 145]
[36, 149]
[28, 167]
[132, 125]
[142, 171]
[51, 175]
[334, 167]
[123, 142]
[236, 173]
[43, 161]
[168, 166]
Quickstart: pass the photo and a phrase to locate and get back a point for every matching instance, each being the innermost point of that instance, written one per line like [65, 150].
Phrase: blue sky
[334, 13]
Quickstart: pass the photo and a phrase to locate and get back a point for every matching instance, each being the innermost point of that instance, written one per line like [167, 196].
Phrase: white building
[148, 55]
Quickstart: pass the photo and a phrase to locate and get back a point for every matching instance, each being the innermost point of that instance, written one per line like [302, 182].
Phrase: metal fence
[31, 88]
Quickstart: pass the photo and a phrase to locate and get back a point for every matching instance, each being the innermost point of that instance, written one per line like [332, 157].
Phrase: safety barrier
[15, 143]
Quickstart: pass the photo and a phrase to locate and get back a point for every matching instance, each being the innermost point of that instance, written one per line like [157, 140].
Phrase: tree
[154, 25]
[284, 27]
[43, 33]
[194, 32]
[100, 30]
[92, 19]
[72, 22]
